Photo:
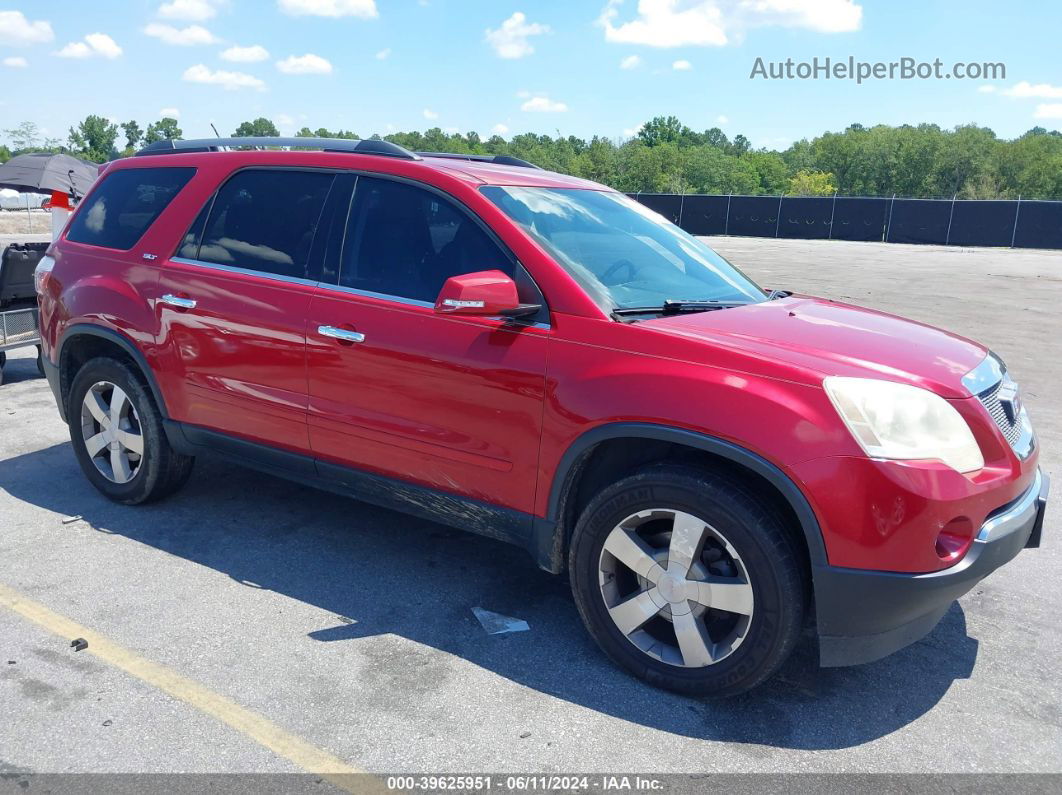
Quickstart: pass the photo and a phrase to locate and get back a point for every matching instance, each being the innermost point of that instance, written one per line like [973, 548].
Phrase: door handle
[342, 334]
[177, 301]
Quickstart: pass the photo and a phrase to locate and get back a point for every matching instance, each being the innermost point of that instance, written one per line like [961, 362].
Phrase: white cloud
[543, 104]
[511, 39]
[671, 23]
[1048, 111]
[16, 62]
[182, 37]
[285, 122]
[987, 88]
[1025, 90]
[169, 113]
[383, 54]
[366, 9]
[499, 129]
[429, 114]
[190, 10]
[18, 31]
[230, 81]
[633, 131]
[631, 62]
[308, 64]
[252, 54]
[94, 44]
[720, 119]
[682, 66]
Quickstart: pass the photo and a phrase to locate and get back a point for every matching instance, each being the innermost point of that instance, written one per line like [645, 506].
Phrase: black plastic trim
[351, 146]
[498, 160]
[1041, 510]
[798, 502]
[464, 513]
[51, 372]
[865, 615]
[126, 344]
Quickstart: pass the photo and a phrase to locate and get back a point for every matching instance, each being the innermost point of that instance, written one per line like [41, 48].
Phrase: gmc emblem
[1010, 399]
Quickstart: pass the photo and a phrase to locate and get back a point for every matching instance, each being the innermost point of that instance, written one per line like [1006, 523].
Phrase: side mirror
[482, 293]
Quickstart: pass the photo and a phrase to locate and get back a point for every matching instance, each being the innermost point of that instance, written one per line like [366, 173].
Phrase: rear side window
[125, 204]
[264, 220]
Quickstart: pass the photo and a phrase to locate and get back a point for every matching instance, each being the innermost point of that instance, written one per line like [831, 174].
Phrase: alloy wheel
[111, 431]
[676, 588]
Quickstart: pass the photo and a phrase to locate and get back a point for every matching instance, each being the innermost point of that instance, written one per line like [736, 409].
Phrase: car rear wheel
[118, 438]
[687, 580]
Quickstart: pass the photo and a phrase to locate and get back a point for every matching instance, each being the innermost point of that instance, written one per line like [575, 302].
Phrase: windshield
[623, 254]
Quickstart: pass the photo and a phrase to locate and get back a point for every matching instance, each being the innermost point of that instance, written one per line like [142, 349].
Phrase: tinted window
[190, 243]
[264, 220]
[620, 252]
[125, 204]
[406, 241]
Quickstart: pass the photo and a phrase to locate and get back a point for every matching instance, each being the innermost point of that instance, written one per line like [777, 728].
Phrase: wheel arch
[551, 535]
[84, 341]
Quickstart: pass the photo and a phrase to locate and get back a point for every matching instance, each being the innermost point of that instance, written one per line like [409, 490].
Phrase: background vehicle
[539, 359]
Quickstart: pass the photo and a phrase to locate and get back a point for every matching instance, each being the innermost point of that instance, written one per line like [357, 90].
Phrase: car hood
[819, 337]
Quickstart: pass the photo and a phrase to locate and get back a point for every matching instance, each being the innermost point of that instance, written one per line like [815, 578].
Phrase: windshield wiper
[672, 307]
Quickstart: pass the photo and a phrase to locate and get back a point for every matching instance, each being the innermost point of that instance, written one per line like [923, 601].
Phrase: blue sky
[578, 67]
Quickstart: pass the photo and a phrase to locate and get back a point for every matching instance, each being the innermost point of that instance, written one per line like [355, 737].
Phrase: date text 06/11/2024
[524, 783]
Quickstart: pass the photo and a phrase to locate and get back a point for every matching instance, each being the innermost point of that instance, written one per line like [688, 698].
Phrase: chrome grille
[1012, 431]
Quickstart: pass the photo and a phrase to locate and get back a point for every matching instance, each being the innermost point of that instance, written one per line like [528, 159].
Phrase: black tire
[40, 362]
[767, 552]
[162, 470]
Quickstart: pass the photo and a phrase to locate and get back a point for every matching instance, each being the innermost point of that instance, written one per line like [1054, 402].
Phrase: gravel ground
[351, 627]
[17, 222]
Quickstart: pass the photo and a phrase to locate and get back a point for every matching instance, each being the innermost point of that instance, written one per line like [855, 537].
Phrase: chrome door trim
[382, 296]
[246, 271]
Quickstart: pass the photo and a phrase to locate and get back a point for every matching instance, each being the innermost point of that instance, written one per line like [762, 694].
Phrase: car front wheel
[687, 580]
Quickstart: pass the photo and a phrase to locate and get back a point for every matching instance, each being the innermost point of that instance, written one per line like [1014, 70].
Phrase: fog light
[954, 539]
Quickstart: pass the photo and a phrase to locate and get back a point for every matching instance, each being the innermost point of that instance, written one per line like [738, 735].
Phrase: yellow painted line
[250, 724]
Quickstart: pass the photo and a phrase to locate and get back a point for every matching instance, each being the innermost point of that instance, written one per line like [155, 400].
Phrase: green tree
[25, 136]
[93, 139]
[322, 132]
[740, 145]
[771, 173]
[165, 129]
[259, 128]
[133, 134]
[811, 183]
[662, 130]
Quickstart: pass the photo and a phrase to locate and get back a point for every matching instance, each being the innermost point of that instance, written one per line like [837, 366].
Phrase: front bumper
[865, 615]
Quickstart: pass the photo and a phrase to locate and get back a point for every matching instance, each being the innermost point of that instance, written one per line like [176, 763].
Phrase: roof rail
[364, 147]
[499, 160]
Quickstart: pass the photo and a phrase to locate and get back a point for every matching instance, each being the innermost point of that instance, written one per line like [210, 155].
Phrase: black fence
[1010, 223]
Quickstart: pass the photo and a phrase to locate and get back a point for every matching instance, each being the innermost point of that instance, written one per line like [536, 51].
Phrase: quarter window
[264, 220]
[405, 241]
[120, 210]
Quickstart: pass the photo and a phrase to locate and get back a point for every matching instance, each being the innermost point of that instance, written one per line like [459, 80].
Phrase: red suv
[542, 360]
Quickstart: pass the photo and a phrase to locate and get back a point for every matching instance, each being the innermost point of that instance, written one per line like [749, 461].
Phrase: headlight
[903, 422]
